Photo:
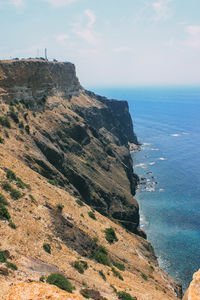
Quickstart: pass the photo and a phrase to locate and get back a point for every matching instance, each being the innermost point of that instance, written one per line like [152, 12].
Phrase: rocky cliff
[66, 175]
[77, 138]
[34, 80]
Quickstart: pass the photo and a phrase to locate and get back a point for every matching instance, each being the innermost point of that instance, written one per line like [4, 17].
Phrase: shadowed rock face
[80, 139]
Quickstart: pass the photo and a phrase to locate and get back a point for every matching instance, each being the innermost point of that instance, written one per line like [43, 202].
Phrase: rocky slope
[69, 151]
[193, 292]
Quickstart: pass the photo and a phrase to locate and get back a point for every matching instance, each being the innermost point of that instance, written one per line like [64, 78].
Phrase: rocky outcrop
[193, 292]
[34, 80]
[38, 290]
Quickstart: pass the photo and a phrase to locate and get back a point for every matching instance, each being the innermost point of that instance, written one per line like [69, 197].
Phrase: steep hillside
[73, 176]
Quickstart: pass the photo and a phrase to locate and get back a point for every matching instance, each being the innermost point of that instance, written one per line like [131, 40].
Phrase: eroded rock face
[193, 292]
[39, 291]
[34, 80]
[80, 139]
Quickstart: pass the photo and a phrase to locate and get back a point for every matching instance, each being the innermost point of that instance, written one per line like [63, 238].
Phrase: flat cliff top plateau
[67, 190]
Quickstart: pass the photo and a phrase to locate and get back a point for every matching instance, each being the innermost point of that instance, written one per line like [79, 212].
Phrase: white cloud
[194, 37]
[193, 30]
[62, 37]
[86, 32]
[91, 16]
[162, 10]
[60, 3]
[191, 41]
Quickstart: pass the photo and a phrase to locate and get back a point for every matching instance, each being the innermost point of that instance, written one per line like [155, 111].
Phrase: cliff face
[80, 139]
[35, 80]
[72, 149]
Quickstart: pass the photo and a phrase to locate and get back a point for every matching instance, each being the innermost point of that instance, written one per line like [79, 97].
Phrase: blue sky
[111, 42]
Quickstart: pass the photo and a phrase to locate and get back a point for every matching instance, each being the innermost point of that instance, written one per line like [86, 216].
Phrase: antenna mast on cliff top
[45, 53]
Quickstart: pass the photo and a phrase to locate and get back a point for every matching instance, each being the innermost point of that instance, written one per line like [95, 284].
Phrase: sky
[111, 42]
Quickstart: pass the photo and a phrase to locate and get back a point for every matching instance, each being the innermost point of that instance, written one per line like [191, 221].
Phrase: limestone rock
[39, 291]
[193, 292]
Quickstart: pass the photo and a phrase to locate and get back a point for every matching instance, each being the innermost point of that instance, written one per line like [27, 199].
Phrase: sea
[167, 123]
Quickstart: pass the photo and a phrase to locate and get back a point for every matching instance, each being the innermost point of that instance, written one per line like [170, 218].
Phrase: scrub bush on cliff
[60, 281]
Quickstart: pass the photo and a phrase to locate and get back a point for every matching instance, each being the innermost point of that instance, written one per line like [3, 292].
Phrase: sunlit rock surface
[39, 291]
[193, 292]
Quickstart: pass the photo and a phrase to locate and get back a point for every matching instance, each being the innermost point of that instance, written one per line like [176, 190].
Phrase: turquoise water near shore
[167, 122]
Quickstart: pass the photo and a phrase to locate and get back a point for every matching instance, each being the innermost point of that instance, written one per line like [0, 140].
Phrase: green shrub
[92, 215]
[27, 129]
[5, 122]
[110, 235]
[85, 294]
[117, 274]
[6, 186]
[3, 256]
[11, 266]
[53, 182]
[60, 281]
[101, 256]
[3, 199]
[42, 278]
[125, 296]
[4, 214]
[14, 116]
[47, 248]
[60, 207]
[22, 185]
[6, 133]
[80, 266]
[144, 276]
[119, 266]
[102, 275]
[152, 268]
[15, 194]
[1, 140]
[21, 124]
[25, 103]
[12, 225]
[79, 202]
[10, 175]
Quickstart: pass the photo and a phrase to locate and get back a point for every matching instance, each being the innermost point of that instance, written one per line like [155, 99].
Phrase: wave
[162, 158]
[141, 165]
[152, 163]
[146, 144]
[154, 149]
[175, 134]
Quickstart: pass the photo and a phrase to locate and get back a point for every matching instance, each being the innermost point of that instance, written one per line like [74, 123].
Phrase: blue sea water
[167, 122]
